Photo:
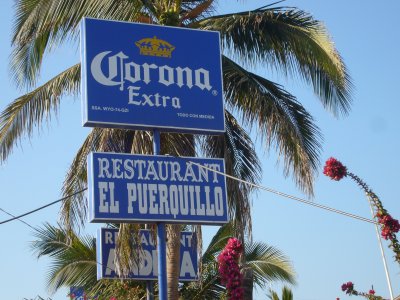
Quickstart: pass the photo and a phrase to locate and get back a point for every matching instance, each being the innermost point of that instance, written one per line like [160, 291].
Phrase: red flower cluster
[348, 287]
[334, 169]
[390, 226]
[229, 270]
[73, 296]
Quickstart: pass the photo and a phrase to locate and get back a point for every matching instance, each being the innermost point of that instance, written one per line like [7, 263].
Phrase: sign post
[161, 237]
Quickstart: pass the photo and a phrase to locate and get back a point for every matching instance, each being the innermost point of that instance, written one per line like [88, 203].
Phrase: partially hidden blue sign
[125, 188]
[147, 266]
[77, 293]
[148, 76]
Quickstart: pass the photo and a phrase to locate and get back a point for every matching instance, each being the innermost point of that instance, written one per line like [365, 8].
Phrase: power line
[287, 195]
[44, 206]
[334, 210]
[22, 221]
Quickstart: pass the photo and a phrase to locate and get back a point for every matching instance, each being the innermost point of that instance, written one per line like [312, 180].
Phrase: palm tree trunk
[248, 284]
[173, 231]
[173, 260]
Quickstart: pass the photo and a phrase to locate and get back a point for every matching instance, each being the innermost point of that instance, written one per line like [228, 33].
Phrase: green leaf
[280, 119]
[28, 111]
[293, 42]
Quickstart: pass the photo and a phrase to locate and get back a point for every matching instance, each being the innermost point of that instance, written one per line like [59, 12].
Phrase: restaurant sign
[147, 266]
[144, 188]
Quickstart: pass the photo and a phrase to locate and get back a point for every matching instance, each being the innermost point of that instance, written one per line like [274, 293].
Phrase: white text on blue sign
[146, 76]
[147, 266]
[143, 188]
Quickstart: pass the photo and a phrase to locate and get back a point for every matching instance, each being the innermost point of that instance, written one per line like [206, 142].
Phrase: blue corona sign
[147, 76]
[142, 188]
[147, 266]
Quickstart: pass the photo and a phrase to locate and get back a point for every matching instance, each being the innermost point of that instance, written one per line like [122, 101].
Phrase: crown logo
[155, 47]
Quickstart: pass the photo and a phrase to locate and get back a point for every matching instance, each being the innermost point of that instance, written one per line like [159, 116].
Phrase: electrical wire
[22, 221]
[44, 206]
[287, 195]
[327, 208]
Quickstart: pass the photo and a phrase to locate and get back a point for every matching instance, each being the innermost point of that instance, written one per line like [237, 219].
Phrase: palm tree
[74, 264]
[283, 38]
[286, 294]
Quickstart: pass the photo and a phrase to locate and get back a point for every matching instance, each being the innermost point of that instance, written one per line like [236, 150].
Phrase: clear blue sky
[326, 249]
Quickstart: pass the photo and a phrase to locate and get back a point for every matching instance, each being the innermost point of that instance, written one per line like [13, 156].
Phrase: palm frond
[74, 209]
[73, 263]
[279, 118]
[51, 241]
[268, 264]
[126, 255]
[196, 10]
[218, 242]
[178, 144]
[293, 42]
[286, 294]
[73, 257]
[273, 295]
[208, 289]
[241, 161]
[41, 25]
[24, 113]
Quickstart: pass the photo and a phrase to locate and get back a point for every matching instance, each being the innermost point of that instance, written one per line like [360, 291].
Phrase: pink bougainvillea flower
[390, 226]
[371, 292]
[348, 287]
[334, 169]
[393, 224]
[229, 270]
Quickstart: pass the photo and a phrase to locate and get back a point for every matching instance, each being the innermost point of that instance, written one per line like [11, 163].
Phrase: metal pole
[149, 290]
[161, 244]
[382, 251]
[149, 284]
